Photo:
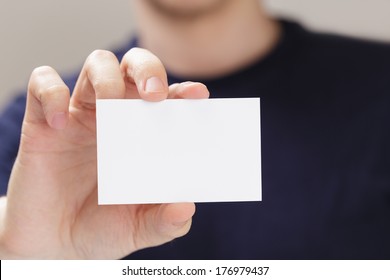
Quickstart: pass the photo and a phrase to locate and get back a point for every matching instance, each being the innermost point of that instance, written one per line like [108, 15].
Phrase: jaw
[188, 9]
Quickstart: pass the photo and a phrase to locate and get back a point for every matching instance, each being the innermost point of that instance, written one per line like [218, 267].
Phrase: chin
[187, 7]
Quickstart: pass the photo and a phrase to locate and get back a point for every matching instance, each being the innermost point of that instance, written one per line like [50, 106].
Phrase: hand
[51, 208]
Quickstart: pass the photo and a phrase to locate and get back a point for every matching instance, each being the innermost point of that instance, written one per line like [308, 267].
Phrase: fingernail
[154, 84]
[181, 224]
[59, 120]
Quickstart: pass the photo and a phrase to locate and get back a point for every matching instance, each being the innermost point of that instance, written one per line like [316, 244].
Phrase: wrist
[4, 254]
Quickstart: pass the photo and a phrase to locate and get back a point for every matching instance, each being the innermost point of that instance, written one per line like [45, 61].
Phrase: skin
[51, 207]
[227, 36]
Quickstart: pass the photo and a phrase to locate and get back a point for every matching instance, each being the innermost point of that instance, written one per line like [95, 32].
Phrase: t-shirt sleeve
[10, 127]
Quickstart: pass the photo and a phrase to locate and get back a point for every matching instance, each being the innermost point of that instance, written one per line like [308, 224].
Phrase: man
[325, 135]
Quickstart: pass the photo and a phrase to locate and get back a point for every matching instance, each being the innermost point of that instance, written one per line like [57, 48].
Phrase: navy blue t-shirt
[325, 108]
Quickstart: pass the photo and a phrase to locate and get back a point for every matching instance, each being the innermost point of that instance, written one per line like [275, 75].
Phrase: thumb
[167, 222]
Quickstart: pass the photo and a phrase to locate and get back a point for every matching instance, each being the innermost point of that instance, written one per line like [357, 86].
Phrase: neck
[211, 44]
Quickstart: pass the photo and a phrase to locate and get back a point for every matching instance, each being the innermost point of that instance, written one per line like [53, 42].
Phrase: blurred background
[62, 33]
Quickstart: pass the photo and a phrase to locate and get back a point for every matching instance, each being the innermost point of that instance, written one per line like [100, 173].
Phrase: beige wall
[76, 27]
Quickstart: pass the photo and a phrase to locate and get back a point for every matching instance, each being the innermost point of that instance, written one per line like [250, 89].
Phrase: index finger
[100, 78]
[144, 70]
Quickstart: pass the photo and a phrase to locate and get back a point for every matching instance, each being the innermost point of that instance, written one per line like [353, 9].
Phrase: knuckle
[128, 58]
[41, 71]
[42, 93]
[106, 85]
[57, 88]
[38, 78]
[132, 51]
[98, 55]
[139, 59]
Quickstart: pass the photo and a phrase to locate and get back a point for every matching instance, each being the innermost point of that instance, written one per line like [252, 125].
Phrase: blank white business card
[178, 150]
